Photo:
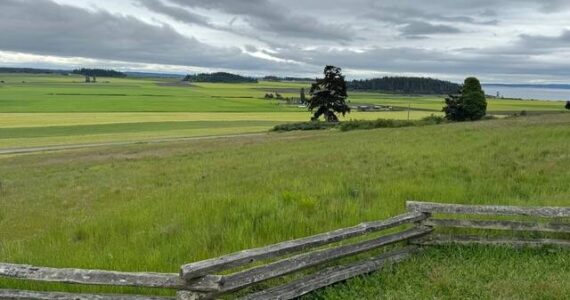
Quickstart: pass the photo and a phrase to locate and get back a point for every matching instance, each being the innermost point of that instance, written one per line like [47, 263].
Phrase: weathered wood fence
[551, 220]
[201, 280]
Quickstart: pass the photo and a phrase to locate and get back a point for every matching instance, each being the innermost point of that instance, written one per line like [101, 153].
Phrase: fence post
[421, 224]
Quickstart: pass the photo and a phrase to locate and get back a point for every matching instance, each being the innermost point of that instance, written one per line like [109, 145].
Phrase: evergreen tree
[567, 105]
[474, 99]
[328, 95]
[302, 96]
[469, 105]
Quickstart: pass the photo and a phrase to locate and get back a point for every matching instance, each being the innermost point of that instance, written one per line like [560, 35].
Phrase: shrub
[373, 124]
[433, 119]
[313, 125]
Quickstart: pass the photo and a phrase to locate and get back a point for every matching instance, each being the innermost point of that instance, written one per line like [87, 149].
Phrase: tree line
[31, 71]
[407, 85]
[99, 73]
[219, 77]
[277, 78]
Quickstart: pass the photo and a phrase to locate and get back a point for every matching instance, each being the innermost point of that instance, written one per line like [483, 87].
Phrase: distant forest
[31, 71]
[99, 73]
[276, 78]
[220, 77]
[408, 85]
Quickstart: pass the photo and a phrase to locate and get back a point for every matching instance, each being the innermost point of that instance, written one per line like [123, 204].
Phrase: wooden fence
[201, 280]
[551, 220]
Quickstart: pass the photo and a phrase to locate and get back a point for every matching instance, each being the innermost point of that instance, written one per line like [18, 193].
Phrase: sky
[499, 41]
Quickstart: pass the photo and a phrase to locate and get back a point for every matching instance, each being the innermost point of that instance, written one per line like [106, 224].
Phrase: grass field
[155, 207]
[48, 110]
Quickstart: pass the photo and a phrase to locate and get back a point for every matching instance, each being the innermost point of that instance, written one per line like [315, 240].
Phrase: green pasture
[435, 103]
[46, 110]
[153, 207]
[19, 130]
[57, 94]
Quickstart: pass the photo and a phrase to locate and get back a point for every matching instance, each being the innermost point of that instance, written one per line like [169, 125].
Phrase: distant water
[523, 92]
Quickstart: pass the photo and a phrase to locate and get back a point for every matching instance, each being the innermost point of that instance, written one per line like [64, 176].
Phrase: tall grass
[155, 207]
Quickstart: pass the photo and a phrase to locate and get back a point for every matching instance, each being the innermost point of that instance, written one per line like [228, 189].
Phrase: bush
[361, 124]
[469, 105]
[434, 120]
[304, 126]
[380, 123]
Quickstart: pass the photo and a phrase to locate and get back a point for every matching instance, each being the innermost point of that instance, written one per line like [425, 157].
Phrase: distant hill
[219, 77]
[32, 71]
[408, 85]
[99, 73]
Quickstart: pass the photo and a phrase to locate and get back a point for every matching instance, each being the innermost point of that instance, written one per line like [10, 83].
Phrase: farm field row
[14, 120]
[49, 129]
[153, 207]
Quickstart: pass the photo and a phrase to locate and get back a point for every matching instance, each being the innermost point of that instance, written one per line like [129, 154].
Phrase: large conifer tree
[328, 95]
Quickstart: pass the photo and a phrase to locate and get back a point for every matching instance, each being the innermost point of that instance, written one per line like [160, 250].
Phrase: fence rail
[416, 228]
[202, 268]
[545, 212]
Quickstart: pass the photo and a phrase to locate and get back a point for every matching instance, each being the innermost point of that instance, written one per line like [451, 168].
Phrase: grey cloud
[250, 48]
[546, 42]
[416, 29]
[176, 13]
[448, 37]
[458, 63]
[44, 27]
[276, 19]
[405, 14]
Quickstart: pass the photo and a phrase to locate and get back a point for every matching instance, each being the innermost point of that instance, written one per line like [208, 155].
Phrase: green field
[48, 110]
[153, 207]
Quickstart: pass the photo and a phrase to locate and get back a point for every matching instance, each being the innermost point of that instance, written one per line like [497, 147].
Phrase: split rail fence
[322, 253]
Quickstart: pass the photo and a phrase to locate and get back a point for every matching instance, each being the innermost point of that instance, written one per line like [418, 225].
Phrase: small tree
[567, 105]
[328, 95]
[302, 97]
[469, 104]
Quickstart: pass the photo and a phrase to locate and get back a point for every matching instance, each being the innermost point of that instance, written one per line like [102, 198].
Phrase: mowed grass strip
[49, 129]
[10, 120]
[156, 207]
[53, 131]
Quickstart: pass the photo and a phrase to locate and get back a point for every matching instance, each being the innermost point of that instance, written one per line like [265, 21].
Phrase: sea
[529, 92]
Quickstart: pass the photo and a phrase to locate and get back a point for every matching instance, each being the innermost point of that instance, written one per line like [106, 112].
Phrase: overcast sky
[495, 40]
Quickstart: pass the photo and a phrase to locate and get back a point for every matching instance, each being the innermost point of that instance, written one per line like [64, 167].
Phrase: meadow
[153, 207]
[48, 110]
